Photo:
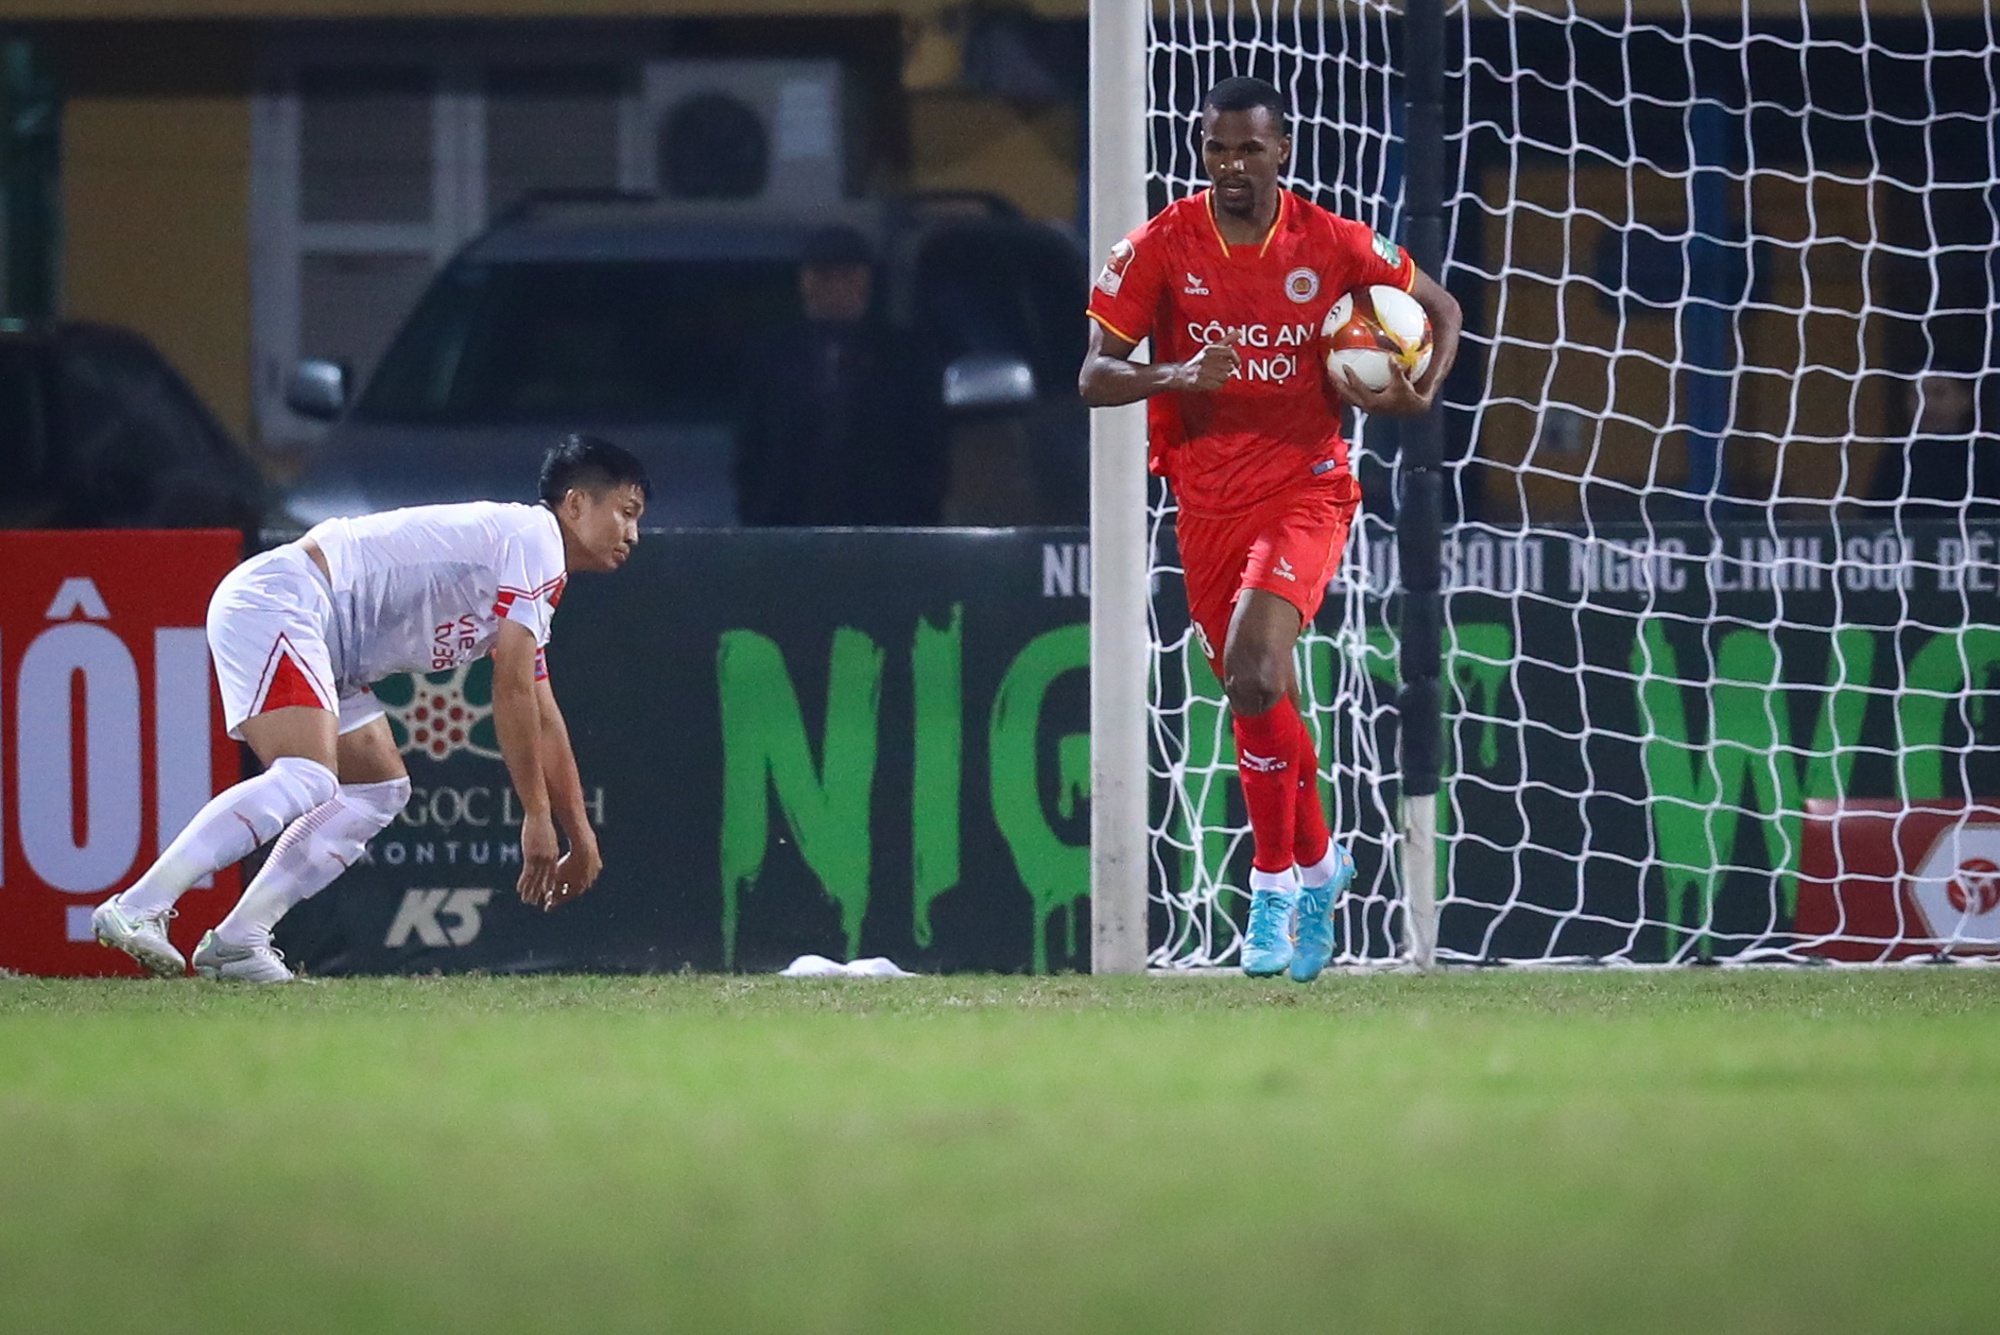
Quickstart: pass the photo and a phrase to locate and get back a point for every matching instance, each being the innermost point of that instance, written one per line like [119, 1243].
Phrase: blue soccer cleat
[1316, 935]
[1267, 945]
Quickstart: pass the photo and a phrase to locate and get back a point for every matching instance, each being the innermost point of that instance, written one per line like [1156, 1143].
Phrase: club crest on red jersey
[1302, 285]
[1112, 276]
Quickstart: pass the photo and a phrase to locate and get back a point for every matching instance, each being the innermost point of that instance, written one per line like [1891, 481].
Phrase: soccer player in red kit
[1231, 285]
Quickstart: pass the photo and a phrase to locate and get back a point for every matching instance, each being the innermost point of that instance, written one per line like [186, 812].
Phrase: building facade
[250, 182]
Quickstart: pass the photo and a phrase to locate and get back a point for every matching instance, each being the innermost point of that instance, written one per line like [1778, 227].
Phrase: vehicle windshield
[598, 341]
[21, 413]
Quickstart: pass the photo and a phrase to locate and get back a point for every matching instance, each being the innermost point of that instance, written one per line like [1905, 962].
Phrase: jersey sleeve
[1373, 258]
[531, 578]
[1127, 290]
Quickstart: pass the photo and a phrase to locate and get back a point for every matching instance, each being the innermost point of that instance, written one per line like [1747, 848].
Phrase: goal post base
[1416, 854]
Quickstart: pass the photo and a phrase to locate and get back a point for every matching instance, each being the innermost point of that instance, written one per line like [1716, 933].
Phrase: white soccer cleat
[143, 937]
[224, 961]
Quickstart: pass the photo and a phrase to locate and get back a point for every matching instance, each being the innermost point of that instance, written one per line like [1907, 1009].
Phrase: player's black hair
[592, 463]
[1244, 94]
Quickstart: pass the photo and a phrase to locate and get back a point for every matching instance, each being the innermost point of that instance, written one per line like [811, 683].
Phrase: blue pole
[1707, 321]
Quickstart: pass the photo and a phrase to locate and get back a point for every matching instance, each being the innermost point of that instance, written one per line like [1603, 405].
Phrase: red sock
[1266, 744]
[1310, 836]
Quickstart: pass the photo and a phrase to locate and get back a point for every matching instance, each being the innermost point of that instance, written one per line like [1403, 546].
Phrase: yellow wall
[1811, 404]
[963, 141]
[156, 195]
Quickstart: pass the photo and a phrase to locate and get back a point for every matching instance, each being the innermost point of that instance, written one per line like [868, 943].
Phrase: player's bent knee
[377, 804]
[1252, 704]
[297, 785]
[287, 789]
[1252, 692]
[363, 811]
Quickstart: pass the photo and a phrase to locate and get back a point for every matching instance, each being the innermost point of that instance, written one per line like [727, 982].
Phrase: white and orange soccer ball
[1372, 328]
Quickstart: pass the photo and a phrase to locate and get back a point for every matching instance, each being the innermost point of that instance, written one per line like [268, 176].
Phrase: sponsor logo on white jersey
[452, 642]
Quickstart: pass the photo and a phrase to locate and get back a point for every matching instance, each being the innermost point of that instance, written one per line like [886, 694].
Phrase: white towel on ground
[819, 966]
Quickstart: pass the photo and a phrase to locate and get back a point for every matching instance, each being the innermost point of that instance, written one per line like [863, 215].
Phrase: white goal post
[1120, 645]
[1720, 564]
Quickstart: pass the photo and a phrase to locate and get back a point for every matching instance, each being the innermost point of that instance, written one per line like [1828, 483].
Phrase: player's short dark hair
[1246, 94]
[592, 463]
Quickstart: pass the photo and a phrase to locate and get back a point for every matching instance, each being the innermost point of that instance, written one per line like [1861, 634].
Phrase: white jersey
[425, 589]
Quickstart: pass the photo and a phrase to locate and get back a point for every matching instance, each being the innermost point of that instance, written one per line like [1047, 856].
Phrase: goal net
[1722, 570]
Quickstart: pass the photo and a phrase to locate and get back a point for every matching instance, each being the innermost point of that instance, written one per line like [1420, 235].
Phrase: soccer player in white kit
[301, 632]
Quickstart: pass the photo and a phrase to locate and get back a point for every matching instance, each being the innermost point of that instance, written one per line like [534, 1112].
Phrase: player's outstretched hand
[576, 873]
[1398, 398]
[539, 851]
[1212, 366]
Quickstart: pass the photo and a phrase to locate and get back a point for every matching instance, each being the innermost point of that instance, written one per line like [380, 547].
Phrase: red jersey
[1276, 423]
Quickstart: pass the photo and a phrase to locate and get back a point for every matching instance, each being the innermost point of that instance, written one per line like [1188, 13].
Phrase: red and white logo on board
[1976, 888]
[1957, 885]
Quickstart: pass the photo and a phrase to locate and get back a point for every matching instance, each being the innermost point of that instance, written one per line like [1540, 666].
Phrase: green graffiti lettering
[1939, 677]
[1477, 661]
[1697, 790]
[1072, 791]
[1199, 803]
[1378, 654]
[1056, 874]
[1320, 688]
[936, 659]
[764, 743]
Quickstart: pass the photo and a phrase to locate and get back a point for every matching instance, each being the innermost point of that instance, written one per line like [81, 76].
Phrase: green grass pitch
[1809, 1151]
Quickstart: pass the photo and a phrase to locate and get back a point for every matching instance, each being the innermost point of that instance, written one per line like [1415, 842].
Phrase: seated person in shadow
[1949, 464]
[842, 420]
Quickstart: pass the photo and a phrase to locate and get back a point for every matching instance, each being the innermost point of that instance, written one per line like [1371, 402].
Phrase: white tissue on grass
[819, 966]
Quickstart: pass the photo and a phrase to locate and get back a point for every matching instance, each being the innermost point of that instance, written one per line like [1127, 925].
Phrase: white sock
[1286, 881]
[1321, 872]
[234, 824]
[315, 849]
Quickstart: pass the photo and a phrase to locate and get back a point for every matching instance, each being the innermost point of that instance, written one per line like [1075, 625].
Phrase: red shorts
[1290, 545]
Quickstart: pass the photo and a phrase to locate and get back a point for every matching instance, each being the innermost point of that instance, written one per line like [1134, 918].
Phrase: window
[138, 448]
[24, 482]
[377, 158]
[551, 128]
[640, 340]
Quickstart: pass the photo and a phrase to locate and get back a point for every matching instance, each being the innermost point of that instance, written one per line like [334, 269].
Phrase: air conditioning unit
[767, 132]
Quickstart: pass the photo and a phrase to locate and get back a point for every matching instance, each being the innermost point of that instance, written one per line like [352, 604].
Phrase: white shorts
[267, 634]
